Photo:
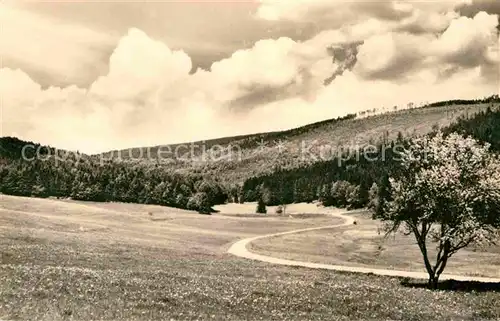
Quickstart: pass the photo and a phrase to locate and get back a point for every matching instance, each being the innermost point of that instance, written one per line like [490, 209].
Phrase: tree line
[355, 182]
[483, 126]
[486, 100]
[342, 181]
[89, 180]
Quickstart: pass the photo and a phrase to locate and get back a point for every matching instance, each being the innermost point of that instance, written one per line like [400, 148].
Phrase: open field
[65, 260]
[365, 245]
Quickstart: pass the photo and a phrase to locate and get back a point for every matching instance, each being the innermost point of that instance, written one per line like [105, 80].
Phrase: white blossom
[450, 193]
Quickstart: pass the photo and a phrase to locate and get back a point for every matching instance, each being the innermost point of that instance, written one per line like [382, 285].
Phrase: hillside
[234, 159]
[12, 148]
[349, 180]
[295, 165]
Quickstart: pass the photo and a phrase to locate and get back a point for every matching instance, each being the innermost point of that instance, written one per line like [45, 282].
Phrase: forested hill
[236, 159]
[348, 181]
[484, 126]
[29, 169]
[279, 176]
[448, 110]
[14, 148]
[250, 141]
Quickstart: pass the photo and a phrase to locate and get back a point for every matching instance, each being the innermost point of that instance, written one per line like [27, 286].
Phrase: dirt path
[240, 249]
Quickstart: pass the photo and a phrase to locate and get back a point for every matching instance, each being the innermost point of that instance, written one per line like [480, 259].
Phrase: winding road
[240, 249]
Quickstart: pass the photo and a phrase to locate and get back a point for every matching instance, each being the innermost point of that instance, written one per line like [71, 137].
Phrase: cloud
[392, 55]
[470, 41]
[345, 57]
[391, 39]
[335, 13]
[357, 93]
[149, 96]
[425, 20]
[140, 64]
[273, 68]
[69, 52]
[319, 10]
[473, 7]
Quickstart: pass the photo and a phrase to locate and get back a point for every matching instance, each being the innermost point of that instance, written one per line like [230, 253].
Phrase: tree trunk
[433, 281]
[433, 276]
[433, 271]
[427, 263]
[442, 260]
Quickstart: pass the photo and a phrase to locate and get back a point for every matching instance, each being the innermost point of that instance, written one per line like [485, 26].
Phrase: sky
[100, 75]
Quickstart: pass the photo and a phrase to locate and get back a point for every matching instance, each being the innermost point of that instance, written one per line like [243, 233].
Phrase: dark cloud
[420, 28]
[258, 94]
[489, 6]
[473, 57]
[207, 31]
[345, 56]
[447, 71]
[398, 69]
[491, 72]
[88, 71]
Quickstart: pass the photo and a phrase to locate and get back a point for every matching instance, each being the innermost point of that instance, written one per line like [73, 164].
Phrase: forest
[84, 178]
[345, 181]
[353, 181]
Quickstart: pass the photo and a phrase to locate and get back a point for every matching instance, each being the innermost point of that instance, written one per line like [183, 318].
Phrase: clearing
[66, 260]
[365, 245]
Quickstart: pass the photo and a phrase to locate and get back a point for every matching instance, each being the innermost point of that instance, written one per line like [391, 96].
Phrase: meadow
[367, 245]
[68, 260]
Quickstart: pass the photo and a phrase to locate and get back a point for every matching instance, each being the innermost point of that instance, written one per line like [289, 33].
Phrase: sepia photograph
[241, 160]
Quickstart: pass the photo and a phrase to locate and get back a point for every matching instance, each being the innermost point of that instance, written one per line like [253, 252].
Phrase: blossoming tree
[449, 194]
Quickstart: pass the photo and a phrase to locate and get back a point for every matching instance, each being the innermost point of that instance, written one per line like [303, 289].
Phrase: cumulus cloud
[391, 39]
[310, 10]
[428, 15]
[389, 54]
[470, 41]
[149, 96]
[140, 64]
[70, 52]
[473, 7]
[271, 68]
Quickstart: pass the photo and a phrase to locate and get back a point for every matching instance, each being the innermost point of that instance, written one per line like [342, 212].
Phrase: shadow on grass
[453, 285]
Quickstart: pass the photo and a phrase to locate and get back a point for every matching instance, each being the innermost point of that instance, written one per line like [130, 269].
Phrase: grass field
[65, 260]
[366, 246]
